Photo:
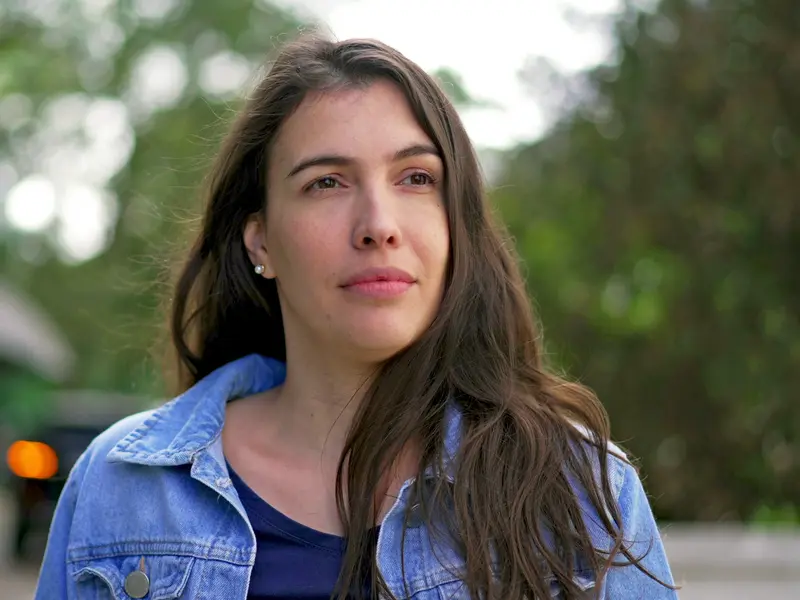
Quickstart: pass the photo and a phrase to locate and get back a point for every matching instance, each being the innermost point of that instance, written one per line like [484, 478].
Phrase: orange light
[32, 460]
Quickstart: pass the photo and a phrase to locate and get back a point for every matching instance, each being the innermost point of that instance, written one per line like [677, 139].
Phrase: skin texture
[374, 212]
[378, 204]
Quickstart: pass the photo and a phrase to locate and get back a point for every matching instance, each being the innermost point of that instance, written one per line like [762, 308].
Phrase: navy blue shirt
[292, 560]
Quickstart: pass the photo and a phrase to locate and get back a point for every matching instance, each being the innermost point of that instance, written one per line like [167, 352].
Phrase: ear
[254, 236]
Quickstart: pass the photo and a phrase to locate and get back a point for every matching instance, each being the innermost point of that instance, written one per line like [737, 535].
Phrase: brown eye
[324, 183]
[419, 179]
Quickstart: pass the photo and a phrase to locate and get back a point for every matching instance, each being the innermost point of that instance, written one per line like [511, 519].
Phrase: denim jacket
[153, 494]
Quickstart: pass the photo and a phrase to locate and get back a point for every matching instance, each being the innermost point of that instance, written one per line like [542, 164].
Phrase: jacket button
[137, 584]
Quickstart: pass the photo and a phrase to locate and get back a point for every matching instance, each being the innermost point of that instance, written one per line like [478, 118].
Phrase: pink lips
[379, 282]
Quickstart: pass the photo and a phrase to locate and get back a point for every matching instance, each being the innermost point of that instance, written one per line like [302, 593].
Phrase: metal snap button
[137, 584]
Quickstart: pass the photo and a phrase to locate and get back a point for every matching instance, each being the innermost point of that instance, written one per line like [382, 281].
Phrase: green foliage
[659, 220]
[660, 225]
[71, 54]
[454, 87]
[784, 516]
[23, 399]
[452, 83]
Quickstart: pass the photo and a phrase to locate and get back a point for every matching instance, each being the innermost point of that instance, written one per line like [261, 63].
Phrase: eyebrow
[339, 160]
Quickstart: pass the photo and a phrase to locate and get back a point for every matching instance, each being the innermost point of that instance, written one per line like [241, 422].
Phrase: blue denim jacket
[153, 493]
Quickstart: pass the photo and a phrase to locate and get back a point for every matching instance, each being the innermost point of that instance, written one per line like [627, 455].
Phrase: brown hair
[482, 351]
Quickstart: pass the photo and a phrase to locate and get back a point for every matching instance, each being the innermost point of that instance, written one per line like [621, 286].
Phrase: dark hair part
[482, 351]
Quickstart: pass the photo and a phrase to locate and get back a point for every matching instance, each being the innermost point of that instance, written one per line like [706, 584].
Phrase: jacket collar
[174, 433]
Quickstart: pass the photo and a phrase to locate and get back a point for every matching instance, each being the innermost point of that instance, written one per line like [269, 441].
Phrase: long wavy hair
[510, 508]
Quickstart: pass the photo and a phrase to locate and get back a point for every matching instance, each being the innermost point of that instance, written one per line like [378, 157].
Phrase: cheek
[300, 244]
[432, 240]
[440, 238]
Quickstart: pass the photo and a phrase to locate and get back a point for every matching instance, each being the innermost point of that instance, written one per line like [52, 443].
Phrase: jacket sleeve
[52, 583]
[642, 538]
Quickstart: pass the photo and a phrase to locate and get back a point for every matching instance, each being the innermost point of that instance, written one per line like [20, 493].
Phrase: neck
[318, 401]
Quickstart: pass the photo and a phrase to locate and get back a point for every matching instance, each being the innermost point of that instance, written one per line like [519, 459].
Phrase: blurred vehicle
[40, 460]
[30, 339]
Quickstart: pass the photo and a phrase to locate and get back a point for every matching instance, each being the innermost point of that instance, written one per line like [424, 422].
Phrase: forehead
[363, 122]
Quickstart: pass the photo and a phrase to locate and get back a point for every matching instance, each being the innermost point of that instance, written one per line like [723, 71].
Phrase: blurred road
[16, 583]
[701, 559]
[719, 562]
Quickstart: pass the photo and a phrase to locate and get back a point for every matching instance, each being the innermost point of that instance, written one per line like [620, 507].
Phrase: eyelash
[431, 178]
[312, 187]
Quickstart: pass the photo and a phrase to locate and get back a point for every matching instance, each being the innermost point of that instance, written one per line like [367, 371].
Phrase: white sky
[485, 42]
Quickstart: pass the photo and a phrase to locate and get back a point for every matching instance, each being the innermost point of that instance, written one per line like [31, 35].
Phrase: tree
[660, 225]
[134, 95]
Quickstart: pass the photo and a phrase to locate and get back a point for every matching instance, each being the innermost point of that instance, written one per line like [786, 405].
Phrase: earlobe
[264, 268]
[254, 240]
[268, 273]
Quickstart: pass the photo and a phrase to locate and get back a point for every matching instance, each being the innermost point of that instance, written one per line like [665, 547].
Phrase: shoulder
[94, 459]
[620, 469]
[633, 518]
[618, 466]
[627, 502]
[118, 431]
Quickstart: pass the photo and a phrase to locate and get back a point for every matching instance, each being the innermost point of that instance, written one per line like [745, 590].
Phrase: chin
[381, 345]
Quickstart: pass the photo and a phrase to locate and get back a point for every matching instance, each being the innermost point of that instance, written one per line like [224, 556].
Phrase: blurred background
[645, 155]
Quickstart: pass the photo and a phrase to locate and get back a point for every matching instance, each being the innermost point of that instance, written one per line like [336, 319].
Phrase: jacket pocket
[117, 577]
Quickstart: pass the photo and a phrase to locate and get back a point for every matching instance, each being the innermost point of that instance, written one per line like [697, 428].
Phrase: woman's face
[356, 230]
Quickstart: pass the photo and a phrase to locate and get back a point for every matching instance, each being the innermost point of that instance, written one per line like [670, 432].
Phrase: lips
[379, 274]
[379, 284]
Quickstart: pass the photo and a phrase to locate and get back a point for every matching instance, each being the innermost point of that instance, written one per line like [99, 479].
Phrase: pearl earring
[260, 269]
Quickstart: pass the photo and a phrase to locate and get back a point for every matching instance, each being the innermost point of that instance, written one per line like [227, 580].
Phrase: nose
[376, 224]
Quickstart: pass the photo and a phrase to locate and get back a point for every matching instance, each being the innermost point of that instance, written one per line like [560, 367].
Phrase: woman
[359, 362]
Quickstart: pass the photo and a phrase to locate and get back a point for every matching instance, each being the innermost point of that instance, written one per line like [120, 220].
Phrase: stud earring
[260, 269]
